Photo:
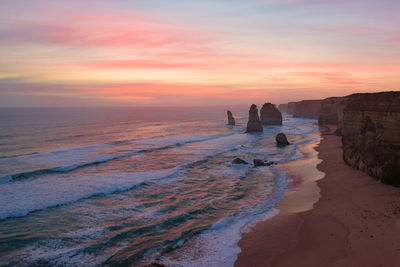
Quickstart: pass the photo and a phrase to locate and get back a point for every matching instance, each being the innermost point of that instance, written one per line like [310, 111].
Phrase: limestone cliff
[282, 107]
[328, 113]
[371, 135]
[307, 109]
[270, 115]
[290, 108]
[331, 112]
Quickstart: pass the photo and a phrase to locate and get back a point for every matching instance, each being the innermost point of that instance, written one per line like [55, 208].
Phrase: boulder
[260, 162]
[270, 115]
[281, 139]
[239, 161]
[371, 135]
[254, 123]
[231, 120]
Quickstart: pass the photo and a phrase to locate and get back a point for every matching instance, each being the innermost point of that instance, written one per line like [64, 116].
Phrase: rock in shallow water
[239, 161]
[281, 139]
[260, 162]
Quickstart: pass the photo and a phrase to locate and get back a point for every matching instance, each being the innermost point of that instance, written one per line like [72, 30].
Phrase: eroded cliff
[371, 135]
[282, 107]
[290, 108]
[307, 109]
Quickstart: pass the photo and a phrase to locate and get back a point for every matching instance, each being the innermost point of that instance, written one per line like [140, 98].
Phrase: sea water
[128, 186]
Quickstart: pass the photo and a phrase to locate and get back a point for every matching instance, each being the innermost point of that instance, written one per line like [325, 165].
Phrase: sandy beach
[332, 215]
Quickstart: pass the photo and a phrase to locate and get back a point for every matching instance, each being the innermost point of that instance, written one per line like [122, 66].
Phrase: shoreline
[341, 218]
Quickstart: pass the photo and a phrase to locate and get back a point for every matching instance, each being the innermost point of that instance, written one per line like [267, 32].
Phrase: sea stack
[371, 135]
[231, 119]
[270, 115]
[281, 139]
[254, 123]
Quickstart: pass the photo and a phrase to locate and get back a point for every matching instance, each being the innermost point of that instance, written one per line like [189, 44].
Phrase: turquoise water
[126, 186]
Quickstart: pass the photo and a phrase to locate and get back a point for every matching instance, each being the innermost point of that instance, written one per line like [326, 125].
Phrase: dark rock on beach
[254, 123]
[281, 139]
[231, 119]
[270, 115]
[260, 162]
[239, 161]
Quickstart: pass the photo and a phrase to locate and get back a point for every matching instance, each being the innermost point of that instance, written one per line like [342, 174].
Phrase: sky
[194, 53]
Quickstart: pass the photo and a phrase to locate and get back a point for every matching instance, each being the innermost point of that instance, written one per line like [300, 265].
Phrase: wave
[106, 158]
[21, 198]
[19, 155]
[218, 243]
[61, 169]
[25, 196]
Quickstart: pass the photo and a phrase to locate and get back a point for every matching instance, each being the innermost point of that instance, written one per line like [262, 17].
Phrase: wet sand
[331, 215]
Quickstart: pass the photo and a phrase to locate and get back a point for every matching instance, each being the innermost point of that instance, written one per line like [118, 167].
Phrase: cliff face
[254, 123]
[307, 109]
[270, 115]
[371, 135]
[331, 112]
[328, 113]
[282, 107]
[290, 108]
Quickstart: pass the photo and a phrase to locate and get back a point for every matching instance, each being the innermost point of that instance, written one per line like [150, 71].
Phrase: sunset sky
[192, 52]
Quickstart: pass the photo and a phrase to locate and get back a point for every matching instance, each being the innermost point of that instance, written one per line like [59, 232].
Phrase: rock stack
[254, 123]
[270, 115]
[231, 119]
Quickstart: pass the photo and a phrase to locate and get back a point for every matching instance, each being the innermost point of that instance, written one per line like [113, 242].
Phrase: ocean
[130, 186]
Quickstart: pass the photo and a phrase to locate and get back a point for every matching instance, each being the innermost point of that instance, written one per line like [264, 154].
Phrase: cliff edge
[371, 135]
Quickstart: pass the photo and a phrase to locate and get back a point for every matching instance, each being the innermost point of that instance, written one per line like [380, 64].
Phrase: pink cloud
[355, 29]
[146, 93]
[114, 29]
[96, 36]
[337, 78]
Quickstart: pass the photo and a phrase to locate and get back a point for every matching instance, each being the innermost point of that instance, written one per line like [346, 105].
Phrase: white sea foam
[65, 158]
[218, 245]
[21, 197]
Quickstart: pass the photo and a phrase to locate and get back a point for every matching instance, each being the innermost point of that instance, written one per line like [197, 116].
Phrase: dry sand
[336, 216]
